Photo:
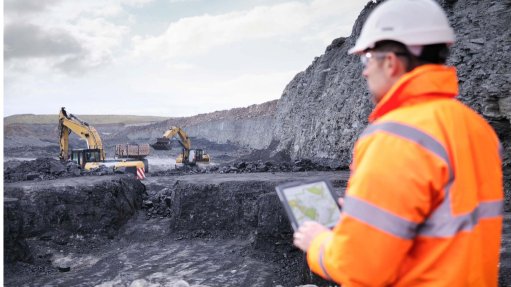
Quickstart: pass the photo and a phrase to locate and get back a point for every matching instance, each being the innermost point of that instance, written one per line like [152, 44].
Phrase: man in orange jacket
[424, 203]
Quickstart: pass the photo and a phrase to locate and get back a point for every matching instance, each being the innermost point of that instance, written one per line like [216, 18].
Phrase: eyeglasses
[367, 56]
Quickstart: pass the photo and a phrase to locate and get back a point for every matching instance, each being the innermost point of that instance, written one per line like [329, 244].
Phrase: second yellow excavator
[189, 156]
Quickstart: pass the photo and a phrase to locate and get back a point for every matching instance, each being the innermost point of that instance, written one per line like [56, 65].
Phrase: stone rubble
[47, 168]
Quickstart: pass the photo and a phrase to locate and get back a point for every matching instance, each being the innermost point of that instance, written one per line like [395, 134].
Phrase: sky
[169, 58]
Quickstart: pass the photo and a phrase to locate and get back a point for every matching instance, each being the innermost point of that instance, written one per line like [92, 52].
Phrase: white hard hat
[410, 22]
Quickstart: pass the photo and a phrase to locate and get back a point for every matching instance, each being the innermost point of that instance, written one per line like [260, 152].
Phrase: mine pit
[207, 229]
[196, 230]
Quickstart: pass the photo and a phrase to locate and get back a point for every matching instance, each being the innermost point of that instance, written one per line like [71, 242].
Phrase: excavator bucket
[162, 144]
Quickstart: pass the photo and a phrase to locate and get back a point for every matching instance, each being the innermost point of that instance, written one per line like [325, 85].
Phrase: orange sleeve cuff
[314, 255]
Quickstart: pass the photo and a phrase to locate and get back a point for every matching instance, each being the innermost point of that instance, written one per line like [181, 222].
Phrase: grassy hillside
[92, 119]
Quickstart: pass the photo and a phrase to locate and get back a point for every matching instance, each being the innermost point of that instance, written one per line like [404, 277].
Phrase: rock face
[240, 132]
[324, 108]
[480, 54]
[15, 245]
[249, 126]
[194, 206]
[86, 205]
[210, 205]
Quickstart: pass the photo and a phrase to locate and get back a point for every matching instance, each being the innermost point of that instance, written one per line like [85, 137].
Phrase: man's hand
[306, 233]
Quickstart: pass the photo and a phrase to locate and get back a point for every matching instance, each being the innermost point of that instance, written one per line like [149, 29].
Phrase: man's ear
[394, 66]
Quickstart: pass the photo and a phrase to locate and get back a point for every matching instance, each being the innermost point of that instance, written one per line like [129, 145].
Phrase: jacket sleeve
[394, 184]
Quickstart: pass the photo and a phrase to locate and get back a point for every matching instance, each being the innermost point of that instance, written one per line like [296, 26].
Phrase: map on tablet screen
[309, 201]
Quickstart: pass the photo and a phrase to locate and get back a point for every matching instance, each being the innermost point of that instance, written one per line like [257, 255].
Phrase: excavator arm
[70, 123]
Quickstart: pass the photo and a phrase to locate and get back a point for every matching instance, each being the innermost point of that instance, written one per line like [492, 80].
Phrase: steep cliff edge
[324, 108]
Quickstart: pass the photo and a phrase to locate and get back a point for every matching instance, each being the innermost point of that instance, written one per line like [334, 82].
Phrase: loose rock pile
[157, 204]
[249, 167]
[272, 166]
[49, 168]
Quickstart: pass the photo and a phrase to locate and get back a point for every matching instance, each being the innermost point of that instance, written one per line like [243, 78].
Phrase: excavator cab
[83, 156]
[199, 156]
[193, 156]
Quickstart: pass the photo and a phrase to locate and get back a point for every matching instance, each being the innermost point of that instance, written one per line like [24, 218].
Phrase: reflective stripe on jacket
[424, 202]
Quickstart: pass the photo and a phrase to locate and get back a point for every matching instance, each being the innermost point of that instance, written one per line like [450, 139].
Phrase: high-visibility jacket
[424, 202]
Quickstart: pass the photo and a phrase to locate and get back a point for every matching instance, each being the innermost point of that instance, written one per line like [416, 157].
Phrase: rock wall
[481, 54]
[248, 205]
[324, 108]
[85, 205]
[252, 132]
[250, 126]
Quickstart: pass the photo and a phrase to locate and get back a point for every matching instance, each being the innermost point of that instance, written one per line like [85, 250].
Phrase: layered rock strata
[84, 205]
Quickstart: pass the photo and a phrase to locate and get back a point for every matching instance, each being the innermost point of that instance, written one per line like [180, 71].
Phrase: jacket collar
[425, 80]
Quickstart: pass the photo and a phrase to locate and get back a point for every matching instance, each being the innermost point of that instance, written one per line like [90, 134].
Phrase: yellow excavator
[94, 155]
[189, 156]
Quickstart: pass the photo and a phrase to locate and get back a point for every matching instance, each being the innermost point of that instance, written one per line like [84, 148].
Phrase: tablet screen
[311, 201]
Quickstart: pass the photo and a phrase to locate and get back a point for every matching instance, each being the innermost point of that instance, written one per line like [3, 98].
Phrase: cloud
[28, 6]
[100, 37]
[29, 41]
[182, 1]
[201, 93]
[68, 39]
[197, 35]
[136, 3]
[245, 88]
[183, 67]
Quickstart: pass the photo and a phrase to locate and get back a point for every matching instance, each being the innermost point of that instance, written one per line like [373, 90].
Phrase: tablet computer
[311, 200]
